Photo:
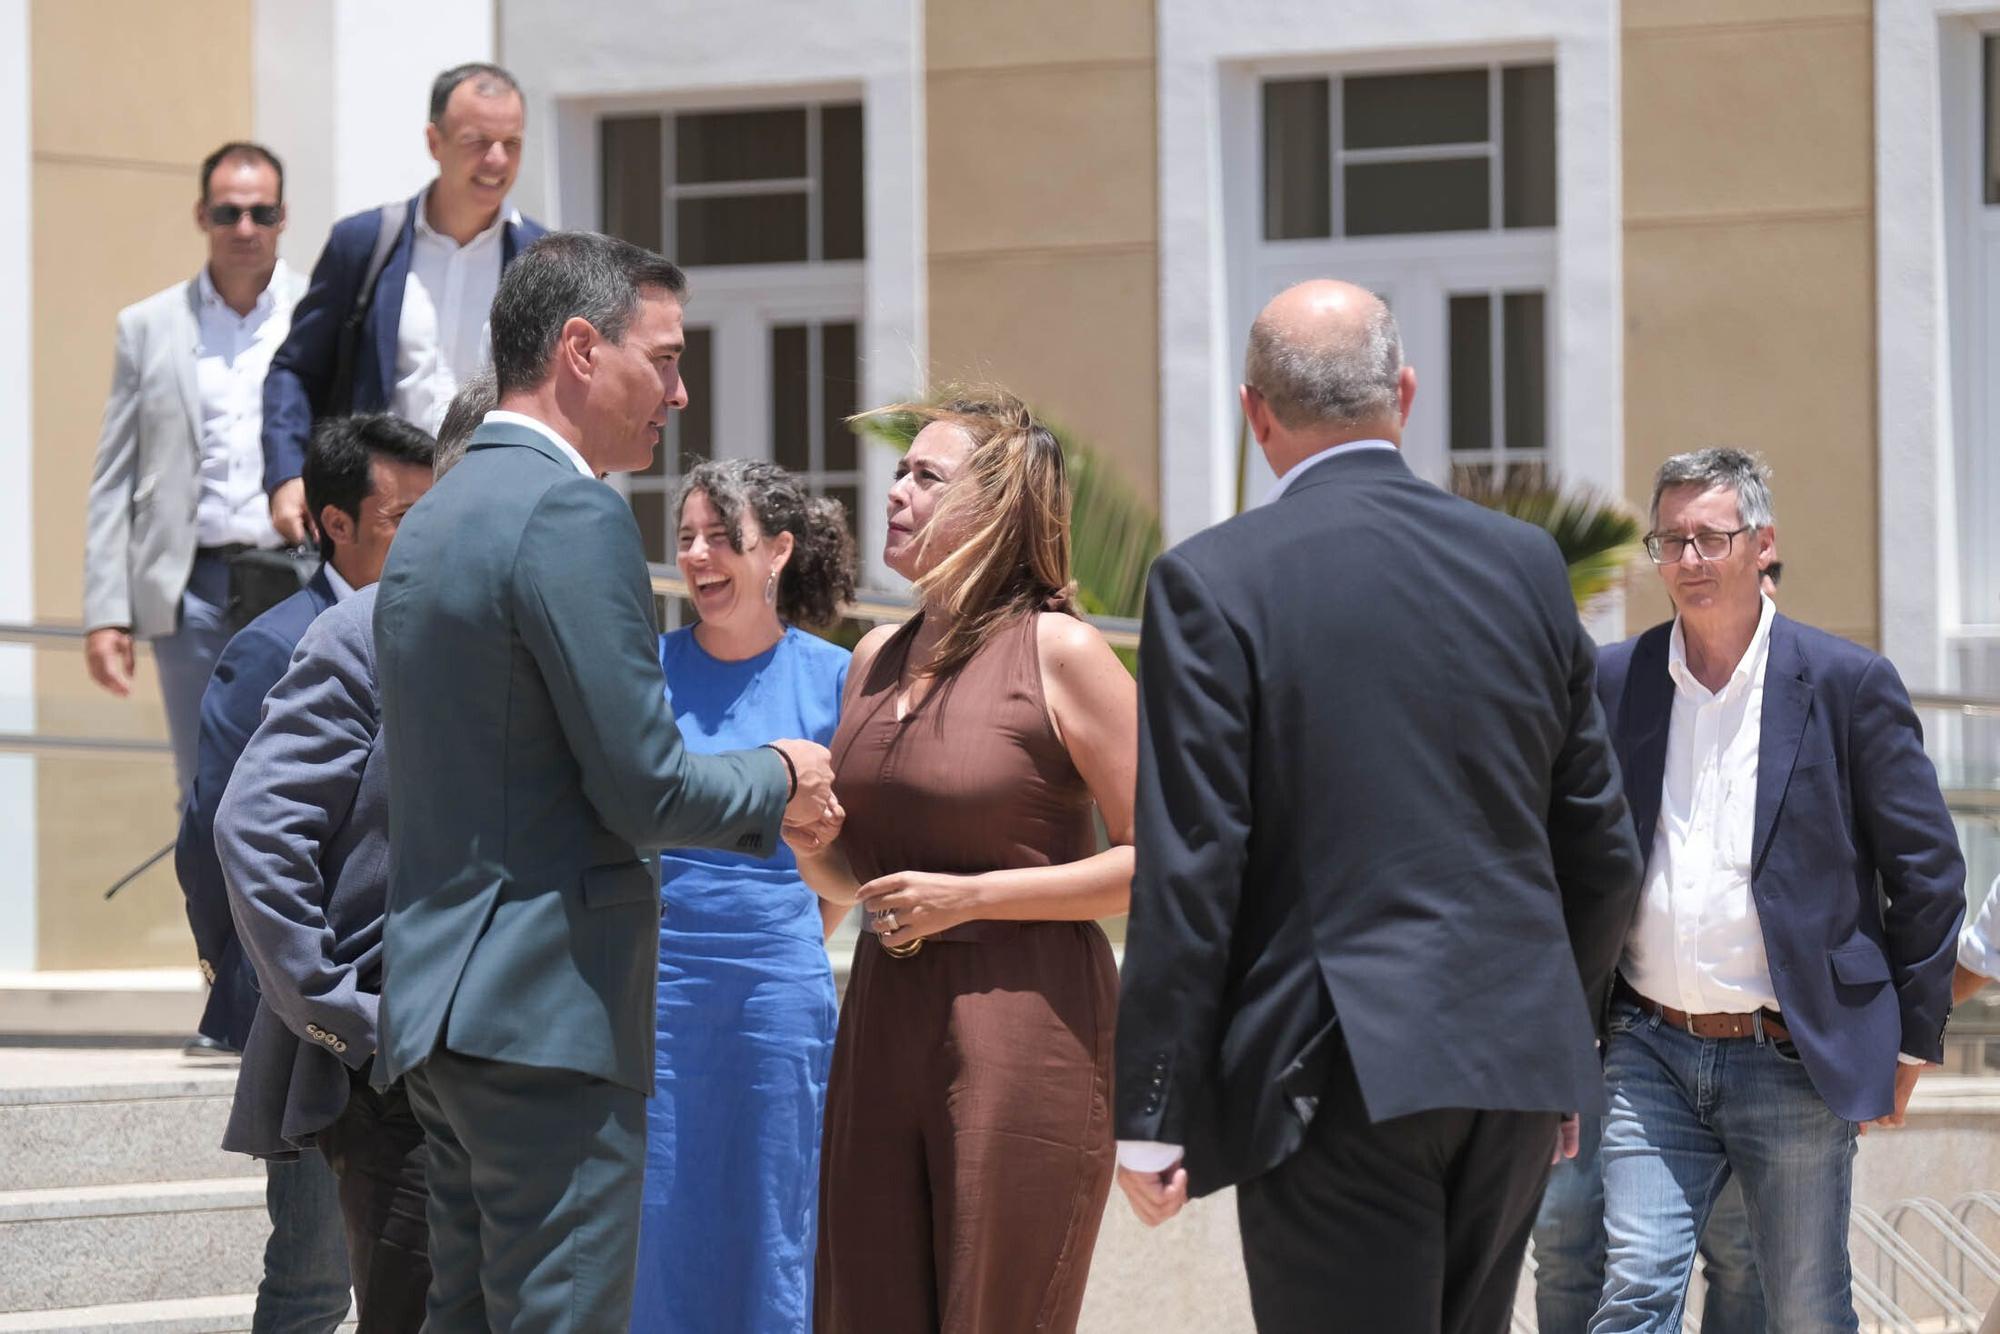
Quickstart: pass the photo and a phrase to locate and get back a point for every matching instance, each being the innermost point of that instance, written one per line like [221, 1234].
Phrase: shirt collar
[342, 590]
[1293, 473]
[266, 299]
[424, 228]
[504, 418]
[1750, 667]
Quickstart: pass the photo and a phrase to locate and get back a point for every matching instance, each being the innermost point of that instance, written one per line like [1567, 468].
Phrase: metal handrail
[1901, 1259]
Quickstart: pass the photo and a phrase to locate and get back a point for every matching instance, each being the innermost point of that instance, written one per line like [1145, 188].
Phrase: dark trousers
[377, 1153]
[535, 1177]
[1415, 1225]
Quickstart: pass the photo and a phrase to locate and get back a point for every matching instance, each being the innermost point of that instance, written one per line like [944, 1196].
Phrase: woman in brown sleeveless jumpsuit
[968, 1146]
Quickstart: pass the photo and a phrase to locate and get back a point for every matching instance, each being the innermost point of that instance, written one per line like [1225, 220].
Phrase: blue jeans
[305, 1262]
[1569, 1250]
[1687, 1114]
[186, 659]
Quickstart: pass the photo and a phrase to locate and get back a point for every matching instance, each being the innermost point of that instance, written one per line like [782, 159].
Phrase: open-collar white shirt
[444, 336]
[1697, 944]
[231, 356]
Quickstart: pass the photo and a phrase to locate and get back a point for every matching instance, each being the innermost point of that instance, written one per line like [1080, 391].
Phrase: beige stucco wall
[127, 99]
[1749, 273]
[1042, 216]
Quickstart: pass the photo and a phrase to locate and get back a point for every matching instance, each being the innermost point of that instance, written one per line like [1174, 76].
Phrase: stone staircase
[118, 1212]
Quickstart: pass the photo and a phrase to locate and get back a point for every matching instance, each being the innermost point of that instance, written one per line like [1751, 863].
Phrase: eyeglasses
[227, 215]
[1668, 548]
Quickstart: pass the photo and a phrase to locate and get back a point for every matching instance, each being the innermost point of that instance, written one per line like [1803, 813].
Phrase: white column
[342, 94]
[17, 589]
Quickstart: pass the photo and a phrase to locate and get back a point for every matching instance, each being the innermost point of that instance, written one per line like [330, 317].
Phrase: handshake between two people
[813, 816]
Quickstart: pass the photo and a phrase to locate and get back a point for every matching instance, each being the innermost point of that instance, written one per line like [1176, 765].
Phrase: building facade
[1611, 231]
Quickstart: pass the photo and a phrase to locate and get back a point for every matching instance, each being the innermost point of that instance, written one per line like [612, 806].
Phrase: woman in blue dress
[746, 1000]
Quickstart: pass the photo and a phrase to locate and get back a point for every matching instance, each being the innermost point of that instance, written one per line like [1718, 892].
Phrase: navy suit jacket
[1379, 824]
[1855, 867]
[250, 664]
[302, 369]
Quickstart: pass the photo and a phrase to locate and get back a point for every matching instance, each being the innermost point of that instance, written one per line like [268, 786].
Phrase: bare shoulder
[1074, 654]
[870, 645]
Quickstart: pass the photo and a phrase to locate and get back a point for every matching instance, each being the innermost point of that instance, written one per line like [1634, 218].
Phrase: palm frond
[1598, 536]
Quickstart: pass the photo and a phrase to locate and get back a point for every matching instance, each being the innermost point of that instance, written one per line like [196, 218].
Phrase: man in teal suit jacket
[533, 767]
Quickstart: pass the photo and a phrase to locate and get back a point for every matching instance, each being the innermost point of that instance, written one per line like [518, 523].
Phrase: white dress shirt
[1697, 944]
[1294, 472]
[1979, 944]
[521, 419]
[444, 336]
[231, 356]
[342, 590]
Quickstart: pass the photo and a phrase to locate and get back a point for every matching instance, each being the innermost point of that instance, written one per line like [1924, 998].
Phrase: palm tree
[1598, 536]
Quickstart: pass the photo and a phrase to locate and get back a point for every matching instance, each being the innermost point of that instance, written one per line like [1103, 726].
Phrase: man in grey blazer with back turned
[533, 767]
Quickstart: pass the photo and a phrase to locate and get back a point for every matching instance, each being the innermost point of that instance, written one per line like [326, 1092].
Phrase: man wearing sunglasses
[1789, 973]
[178, 482]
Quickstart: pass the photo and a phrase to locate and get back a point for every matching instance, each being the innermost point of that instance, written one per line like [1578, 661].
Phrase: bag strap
[341, 399]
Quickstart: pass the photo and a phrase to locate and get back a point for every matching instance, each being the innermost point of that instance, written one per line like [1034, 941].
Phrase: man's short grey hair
[488, 80]
[1738, 470]
[1327, 377]
[469, 406]
[565, 276]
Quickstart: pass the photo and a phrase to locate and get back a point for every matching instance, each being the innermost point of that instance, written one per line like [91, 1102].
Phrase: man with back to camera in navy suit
[1789, 973]
[1384, 860]
[419, 275]
[361, 474]
[534, 764]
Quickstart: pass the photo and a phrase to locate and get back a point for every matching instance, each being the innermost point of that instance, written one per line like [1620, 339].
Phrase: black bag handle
[340, 398]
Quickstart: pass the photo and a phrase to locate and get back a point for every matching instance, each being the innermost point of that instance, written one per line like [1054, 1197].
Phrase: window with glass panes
[1436, 188]
[763, 208]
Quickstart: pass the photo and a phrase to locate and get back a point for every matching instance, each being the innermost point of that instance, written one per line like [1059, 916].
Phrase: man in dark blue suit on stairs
[1789, 973]
[361, 474]
[395, 317]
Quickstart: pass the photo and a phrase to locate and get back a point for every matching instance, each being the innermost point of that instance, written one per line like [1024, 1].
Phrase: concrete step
[79, 1246]
[107, 1117]
[155, 1002]
[186, 1315]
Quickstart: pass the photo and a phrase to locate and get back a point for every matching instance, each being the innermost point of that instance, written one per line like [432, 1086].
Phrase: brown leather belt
[1719, 1025]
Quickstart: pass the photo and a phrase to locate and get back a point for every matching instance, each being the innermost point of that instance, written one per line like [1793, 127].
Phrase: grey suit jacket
[139, 538]
[532, 757]
[303, 838]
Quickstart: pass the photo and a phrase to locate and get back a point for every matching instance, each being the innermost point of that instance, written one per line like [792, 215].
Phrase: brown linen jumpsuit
[968, 1135]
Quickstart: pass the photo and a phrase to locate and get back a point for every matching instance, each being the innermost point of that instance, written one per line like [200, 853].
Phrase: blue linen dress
[746, 1023]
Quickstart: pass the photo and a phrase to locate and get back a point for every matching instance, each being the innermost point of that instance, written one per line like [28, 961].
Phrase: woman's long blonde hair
[1011, 498]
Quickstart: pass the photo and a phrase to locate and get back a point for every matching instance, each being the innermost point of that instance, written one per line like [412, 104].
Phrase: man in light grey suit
[178, 482]
[534, 765]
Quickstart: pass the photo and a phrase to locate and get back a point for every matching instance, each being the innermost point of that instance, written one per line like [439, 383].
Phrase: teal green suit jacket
[534, 766]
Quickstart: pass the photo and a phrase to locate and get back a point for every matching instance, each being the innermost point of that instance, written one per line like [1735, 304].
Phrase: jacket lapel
[1787, 705]
[1644, 715]
[187, 345]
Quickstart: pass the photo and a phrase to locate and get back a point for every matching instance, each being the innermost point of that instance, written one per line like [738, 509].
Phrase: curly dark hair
[819, 578]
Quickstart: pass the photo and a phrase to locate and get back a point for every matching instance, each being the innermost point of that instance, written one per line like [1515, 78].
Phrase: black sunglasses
[227, 215]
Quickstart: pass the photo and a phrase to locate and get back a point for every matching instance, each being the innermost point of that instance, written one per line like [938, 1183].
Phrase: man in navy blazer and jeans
[396, 315]
[1789, 973]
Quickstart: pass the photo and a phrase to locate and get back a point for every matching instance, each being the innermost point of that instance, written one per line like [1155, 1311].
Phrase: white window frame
[740, 303]
[1415, 272]
[1209, 60]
